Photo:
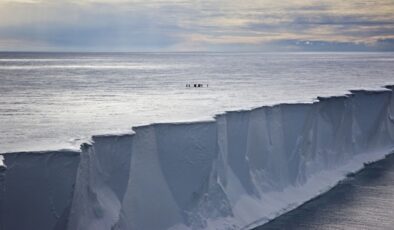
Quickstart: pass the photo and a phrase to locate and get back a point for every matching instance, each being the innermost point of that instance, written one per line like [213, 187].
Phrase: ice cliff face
[36, 190]
[235, 172]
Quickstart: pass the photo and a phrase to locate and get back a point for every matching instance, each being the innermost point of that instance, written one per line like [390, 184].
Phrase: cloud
[171, 25]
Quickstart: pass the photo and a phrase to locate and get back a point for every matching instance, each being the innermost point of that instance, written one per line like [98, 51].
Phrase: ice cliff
[234, 172]
[36, 189]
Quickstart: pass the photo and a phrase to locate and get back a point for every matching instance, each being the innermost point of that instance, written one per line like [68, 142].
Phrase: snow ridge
[235, 172]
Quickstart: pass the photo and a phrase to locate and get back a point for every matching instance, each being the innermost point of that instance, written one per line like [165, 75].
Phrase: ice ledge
[238, 170]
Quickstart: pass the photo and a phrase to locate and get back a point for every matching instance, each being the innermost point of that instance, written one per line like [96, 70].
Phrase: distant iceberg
[235, 172]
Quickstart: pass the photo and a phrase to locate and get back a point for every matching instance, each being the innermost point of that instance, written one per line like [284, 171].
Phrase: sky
[197, 25]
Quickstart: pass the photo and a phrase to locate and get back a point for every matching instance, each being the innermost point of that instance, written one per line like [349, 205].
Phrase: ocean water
[58, 100]
[364, 201]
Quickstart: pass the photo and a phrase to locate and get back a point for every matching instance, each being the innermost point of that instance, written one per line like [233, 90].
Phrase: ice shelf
[235, 172]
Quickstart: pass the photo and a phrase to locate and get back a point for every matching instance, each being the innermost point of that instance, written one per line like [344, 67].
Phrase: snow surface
[235, 172]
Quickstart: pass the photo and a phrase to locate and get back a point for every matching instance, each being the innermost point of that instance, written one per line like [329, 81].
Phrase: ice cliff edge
[235, 172]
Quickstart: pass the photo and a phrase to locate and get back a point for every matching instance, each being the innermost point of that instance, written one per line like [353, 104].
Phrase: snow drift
[237, 171]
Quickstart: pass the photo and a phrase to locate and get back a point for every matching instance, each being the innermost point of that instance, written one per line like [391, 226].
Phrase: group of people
[195, 85]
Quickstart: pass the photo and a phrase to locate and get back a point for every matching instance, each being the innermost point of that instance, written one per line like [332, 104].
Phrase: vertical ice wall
[36, 190]
[101, 183]
[234, 172]
[243, 168]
